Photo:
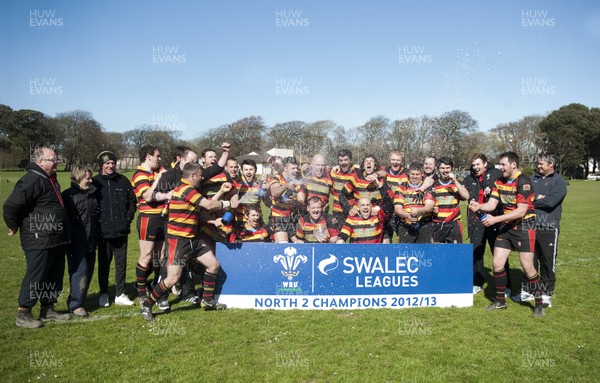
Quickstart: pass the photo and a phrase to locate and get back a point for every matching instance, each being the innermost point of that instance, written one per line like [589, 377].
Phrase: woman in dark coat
[82, 208]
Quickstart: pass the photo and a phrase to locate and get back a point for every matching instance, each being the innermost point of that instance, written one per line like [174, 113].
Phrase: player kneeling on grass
[252, 230]
[367, 225]
[183, 243]
[517, 230]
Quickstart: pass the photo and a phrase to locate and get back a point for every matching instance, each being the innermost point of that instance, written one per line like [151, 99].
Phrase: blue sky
[196, 65]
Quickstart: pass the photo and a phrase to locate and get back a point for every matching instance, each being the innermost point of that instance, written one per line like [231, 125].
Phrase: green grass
[423, 344]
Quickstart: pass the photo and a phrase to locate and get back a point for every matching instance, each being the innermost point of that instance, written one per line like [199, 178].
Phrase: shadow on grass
[514, 283]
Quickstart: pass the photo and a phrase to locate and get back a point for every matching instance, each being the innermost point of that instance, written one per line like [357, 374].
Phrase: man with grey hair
[37, 209]
[318, 181]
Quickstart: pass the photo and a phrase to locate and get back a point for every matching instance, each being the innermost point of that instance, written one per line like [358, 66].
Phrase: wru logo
[290, 262]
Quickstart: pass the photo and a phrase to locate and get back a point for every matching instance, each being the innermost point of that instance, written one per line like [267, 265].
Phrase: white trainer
[103, 301]
[524, 296]
[546, 302]
[123, 300]
[476, 289]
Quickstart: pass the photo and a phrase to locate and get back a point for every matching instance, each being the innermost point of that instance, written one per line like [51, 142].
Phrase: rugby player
[430, 174]
[150, 224]
[213, 175]
[288, 197]
[395, 175]
[517, 231]
[365, 183]
[318, 181]
[447, 192]
[315, 227]
[366, 226]
[183, 242]
[480, 182]
[414, 208]
[252, 228]
[340, 175]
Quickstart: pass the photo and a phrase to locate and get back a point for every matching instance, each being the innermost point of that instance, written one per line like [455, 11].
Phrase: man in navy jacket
[550, 190]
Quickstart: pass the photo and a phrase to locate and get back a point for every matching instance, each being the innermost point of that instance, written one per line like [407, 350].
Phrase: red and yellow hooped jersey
[409, 197]
[513, 192]
[339, 181]
[447, 201]
[183, 216]
[142, 180]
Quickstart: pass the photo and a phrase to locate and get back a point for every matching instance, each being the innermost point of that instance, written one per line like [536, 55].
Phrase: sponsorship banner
[349, 276]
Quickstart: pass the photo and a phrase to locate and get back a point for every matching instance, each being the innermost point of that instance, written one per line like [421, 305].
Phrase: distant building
[128, 162]
[281, 152]
[262, 165]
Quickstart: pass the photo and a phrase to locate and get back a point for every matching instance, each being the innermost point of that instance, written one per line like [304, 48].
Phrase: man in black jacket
[117, 209]
[479, 183]
[36, 208]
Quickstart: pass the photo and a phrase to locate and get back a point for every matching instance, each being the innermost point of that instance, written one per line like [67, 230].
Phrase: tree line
[571, 132]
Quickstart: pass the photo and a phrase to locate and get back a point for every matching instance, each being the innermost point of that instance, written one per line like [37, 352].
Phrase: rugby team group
[184, 209]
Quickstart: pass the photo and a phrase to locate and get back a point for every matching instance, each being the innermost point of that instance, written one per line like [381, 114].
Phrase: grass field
[422, 344]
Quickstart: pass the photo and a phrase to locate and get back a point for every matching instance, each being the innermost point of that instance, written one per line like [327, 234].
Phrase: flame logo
[323, 265]
[290, 262]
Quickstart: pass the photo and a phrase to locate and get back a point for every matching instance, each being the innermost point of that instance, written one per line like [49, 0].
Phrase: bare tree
[374, 136]
[449, 134]
[286, 135]
[523, 137]
[82, 137]
[414, 137]
[166, 140]
[245, 135]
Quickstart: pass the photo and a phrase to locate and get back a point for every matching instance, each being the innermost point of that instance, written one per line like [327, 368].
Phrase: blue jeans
[81, 269]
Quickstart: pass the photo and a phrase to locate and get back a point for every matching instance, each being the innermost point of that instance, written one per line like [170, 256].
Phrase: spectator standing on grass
[517, 231]
[479, 183]
[36, 208]
[550, 190]
[117, 209]
[82, 207]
